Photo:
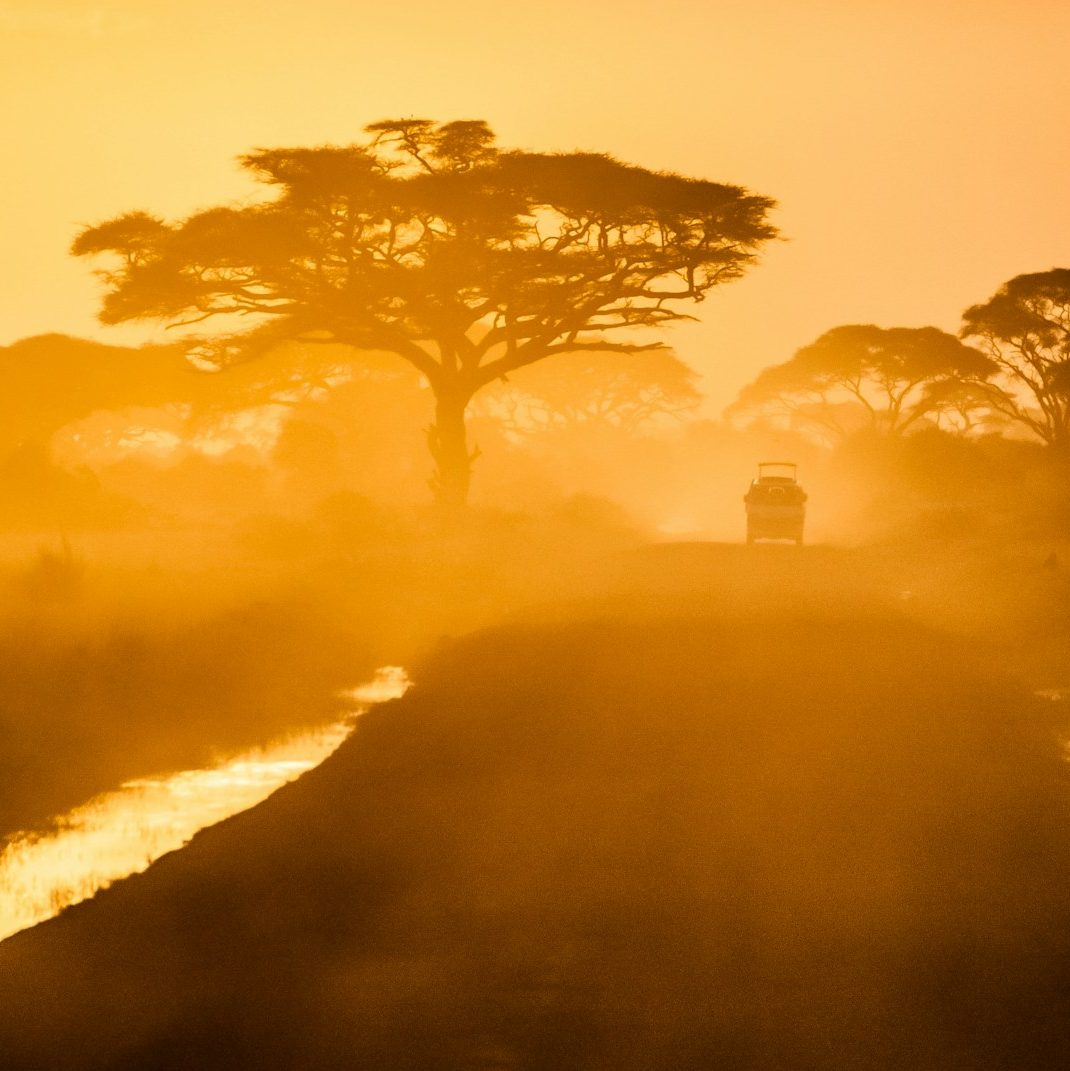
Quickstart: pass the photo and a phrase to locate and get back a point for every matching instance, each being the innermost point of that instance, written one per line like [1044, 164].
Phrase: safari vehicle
[776, 504]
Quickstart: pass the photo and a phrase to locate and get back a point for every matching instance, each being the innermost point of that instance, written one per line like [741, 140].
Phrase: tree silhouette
[624, 391]
[1025, 329]
[892, 377]
[429, 242]
[54, 380]
[963, 406]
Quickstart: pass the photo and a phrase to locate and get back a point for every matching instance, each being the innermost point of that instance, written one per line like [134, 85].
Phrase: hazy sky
[919, 150]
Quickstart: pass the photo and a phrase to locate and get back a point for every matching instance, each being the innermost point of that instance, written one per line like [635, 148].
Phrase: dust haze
[665, 793]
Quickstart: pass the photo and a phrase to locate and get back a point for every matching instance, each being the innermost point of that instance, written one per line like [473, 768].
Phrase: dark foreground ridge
[638, 844]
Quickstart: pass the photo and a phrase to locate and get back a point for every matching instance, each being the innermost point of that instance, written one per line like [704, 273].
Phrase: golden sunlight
[680, 393]
[122, 832]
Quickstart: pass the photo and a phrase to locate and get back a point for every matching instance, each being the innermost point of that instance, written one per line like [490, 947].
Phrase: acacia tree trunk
[448, 440]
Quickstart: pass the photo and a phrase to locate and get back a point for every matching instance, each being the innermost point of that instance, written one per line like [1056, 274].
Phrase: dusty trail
[666, 834]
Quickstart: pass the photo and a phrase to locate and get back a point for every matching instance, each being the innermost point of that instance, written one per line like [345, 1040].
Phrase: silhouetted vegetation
[1025, 329]
[51, 381]
[927, 436]
[656, 800]
[82, 710]
[890, 379]
[171, 644]
[899, 379]
[429, 242]
[631, 392]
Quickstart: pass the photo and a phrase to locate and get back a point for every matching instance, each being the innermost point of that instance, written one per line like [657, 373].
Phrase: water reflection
[122, 832]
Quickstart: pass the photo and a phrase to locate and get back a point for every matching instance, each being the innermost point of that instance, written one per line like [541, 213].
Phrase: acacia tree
[54, 380]
[963, 406]
[893, 377]
[429, 242]
[1025, 329]
[624, 391]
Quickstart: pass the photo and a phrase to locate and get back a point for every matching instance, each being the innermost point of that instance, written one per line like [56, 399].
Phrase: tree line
[428, 241]
[1009, 367]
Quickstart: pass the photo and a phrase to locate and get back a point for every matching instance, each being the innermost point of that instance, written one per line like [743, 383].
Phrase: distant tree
[963, 407]
[369, 417]
[629, 392]
[429, 242]
[297, 377]
[1025, 329]
[53, 380]
[890, 378]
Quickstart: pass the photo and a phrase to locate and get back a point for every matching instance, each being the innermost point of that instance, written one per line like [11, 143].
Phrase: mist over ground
[197, 561]
[631, 837]
[324, 366]
[658, 798]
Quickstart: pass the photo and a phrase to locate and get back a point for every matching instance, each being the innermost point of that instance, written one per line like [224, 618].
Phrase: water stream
[123, 831]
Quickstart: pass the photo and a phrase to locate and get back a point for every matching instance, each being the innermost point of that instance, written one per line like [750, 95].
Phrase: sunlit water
[122, 832]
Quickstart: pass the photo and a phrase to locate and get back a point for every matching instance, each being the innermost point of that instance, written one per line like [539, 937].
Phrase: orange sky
[918, 150]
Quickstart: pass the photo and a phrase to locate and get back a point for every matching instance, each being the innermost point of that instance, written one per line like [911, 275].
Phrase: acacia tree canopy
[1025, 329]
[891, 375]
[429, 242]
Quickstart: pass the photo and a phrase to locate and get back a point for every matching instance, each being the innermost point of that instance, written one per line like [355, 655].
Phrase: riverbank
[137, 671]
[653, 835]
